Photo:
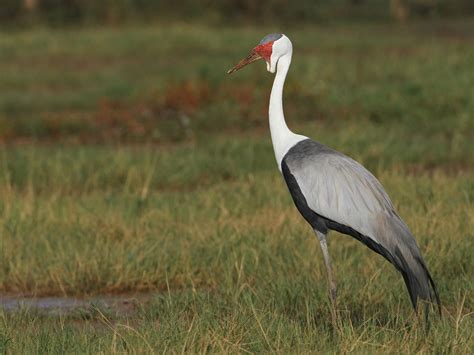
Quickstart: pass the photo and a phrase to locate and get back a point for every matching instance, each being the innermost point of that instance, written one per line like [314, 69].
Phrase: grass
[131, 163]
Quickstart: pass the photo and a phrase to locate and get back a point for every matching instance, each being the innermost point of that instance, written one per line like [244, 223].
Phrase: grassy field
[130, 163]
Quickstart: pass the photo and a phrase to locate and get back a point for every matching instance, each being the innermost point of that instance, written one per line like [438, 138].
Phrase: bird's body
[333, 191]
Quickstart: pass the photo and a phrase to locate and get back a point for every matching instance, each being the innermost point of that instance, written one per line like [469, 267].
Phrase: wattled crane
[333, 191]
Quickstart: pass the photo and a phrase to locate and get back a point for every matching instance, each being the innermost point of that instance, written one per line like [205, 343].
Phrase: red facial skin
[264, 50]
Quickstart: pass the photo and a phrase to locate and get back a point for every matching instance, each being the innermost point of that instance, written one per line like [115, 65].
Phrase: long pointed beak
[252, 57]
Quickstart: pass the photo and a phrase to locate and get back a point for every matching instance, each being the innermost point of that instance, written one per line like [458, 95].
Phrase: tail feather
[396, 244]
[417, 279]
[401, 250]
[433, 286]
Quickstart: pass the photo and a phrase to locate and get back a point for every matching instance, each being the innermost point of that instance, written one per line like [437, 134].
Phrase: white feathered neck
[282, 138]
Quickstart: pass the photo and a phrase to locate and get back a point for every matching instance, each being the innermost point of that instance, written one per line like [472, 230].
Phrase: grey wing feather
[338, 188]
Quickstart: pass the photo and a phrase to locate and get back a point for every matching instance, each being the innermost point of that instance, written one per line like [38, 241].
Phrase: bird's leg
[324, 248]
[332, 284]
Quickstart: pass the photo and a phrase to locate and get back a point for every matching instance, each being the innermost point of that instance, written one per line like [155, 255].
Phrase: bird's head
[271, 48]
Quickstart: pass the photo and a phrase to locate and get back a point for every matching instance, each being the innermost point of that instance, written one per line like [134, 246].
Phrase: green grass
[198, 214]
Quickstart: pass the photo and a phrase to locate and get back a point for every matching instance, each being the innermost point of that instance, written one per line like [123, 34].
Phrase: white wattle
[282, 138]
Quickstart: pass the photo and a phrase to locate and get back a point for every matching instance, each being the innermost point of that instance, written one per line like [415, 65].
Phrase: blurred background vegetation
[63, 79]
[61, 12]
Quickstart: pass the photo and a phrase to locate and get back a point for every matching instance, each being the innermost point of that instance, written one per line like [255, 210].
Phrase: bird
[333, 192]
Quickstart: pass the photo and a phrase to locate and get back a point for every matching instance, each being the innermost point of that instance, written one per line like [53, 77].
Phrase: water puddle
[119, 305]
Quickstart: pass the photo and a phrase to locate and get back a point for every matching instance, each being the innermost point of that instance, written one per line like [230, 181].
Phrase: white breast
[284, 143]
